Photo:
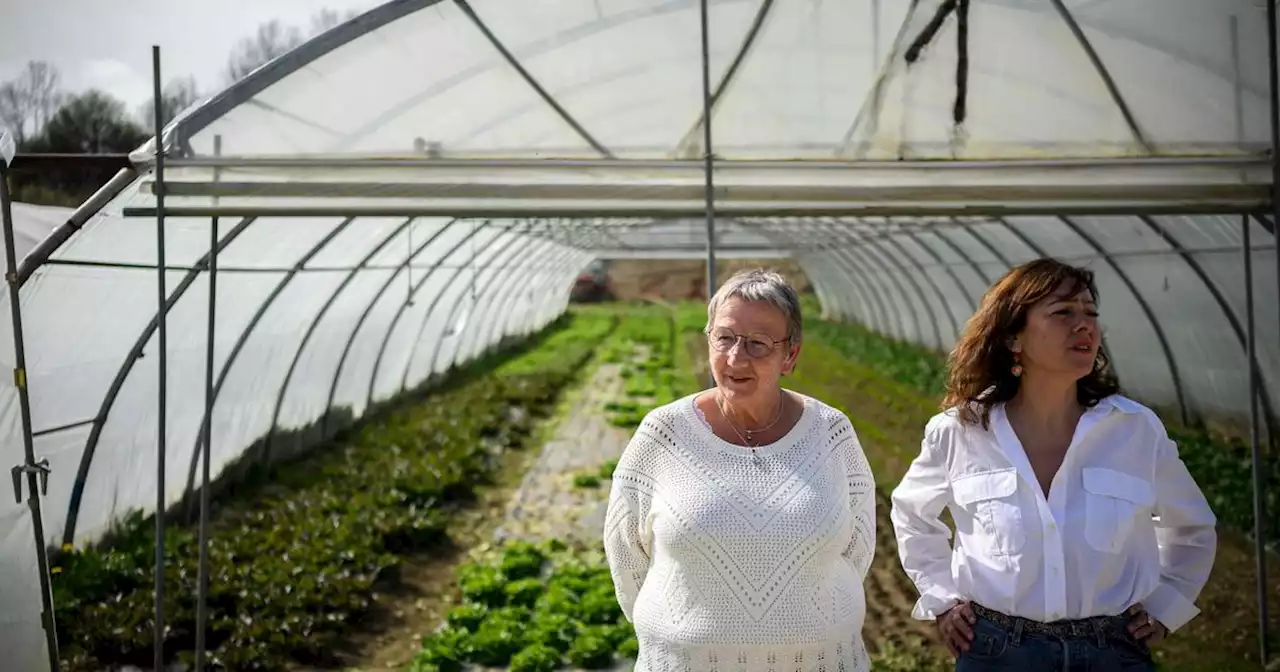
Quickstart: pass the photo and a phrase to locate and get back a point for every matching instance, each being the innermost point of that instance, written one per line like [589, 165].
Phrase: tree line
[43, 118]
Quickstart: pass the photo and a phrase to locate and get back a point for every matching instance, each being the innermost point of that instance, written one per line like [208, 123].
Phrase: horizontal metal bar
[1178, 206]
[63, 428]
[330, 162]
[1080, 258]
[791, 180]
[128, 266]
[692, 246]
[690, 253]
[64, 160]
[830, 193]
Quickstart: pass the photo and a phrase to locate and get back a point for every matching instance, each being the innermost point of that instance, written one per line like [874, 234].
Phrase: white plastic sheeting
[324, 314]
[1172, 292]
[321, 315]
[818, 80]
[32, 224]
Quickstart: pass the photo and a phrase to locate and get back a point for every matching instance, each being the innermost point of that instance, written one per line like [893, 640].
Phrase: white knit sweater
[728, 563]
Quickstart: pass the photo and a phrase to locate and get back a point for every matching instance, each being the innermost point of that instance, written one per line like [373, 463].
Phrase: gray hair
[761, 285]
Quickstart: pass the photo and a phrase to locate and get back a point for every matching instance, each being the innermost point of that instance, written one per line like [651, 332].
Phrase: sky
[106, 44]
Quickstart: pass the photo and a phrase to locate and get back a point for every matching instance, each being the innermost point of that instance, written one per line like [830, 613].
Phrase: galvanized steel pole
[202, 573]
[707, 155]
[1259, 503]
[1256, 451]
[37, 472]
[708, 158]
[162, 392]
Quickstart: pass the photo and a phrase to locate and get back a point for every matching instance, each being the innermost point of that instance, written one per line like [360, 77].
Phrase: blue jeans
[996, 648]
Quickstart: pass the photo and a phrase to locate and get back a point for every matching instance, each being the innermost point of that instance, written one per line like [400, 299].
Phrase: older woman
[742, 518]
[1081, 538]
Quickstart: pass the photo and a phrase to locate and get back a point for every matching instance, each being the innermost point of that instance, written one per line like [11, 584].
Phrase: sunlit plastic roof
[793, 79]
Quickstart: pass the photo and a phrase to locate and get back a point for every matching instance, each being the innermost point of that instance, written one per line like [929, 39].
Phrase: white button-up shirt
[1123, 523]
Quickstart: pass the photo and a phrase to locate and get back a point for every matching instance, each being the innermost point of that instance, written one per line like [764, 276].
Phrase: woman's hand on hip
[1143, 627]
[956, 627]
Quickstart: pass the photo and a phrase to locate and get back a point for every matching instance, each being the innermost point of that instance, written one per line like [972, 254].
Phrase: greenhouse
[416, 189]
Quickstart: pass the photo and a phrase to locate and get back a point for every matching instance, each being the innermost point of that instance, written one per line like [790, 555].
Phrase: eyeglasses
[724, 339]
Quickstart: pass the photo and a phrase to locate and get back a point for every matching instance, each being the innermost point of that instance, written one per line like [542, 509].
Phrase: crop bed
[534, 609]
[646, 346]
[295, 558]
[299, 554]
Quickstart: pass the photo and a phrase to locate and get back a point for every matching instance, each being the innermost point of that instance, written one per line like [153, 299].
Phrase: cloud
[111, 76]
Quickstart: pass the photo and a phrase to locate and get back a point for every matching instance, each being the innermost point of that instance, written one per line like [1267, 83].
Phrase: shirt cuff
[1170, 607]
[934, 602]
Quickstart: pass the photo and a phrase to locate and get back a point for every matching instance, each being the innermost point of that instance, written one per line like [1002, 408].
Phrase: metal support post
[708, 158]
[1259, 504]
[37, 472]
[206, 441]
[162, 393]
[1252, 364]
[707, 153]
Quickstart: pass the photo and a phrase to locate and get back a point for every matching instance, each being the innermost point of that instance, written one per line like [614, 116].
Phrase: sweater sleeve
[628, 535]
[862, 500]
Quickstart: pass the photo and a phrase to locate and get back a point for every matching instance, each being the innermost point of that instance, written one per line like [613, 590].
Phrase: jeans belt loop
[1017, 632]
[1100, 631]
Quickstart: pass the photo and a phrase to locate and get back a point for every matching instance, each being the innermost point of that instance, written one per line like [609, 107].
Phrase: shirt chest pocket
[1113, 501]
[991, 497]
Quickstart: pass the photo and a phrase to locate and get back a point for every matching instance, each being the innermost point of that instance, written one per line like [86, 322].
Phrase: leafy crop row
[645, 343]
[295, 559]
[1224, 470]
[907, 363]
[536, 609]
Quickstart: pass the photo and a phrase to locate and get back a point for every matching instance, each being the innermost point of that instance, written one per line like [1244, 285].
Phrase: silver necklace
[748, 439]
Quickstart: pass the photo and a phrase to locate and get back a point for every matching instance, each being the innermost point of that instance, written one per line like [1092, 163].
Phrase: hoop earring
[1017, 366]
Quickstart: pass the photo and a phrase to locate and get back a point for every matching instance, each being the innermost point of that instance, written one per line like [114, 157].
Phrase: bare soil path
[534, 498]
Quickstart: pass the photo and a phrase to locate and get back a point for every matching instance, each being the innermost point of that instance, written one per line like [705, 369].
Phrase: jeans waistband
[1097, 627]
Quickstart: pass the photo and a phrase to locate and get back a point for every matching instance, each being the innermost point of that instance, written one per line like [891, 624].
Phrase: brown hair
[978, 369]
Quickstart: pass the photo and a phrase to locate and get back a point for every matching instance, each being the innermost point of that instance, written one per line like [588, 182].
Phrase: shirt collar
[1009, 444]
[1120, 403]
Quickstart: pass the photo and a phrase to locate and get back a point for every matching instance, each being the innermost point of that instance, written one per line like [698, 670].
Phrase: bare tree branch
[274, 39]
[177, 95]
[46, 97]
[28, 102]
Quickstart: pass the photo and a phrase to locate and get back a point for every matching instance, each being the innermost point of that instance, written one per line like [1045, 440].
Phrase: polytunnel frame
[888, 264]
